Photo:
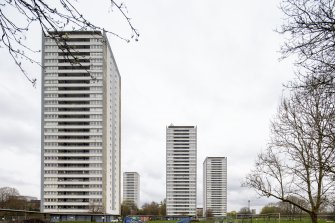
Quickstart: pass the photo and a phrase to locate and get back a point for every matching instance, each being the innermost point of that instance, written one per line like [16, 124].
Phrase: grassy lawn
[254, 220]
[163, 221]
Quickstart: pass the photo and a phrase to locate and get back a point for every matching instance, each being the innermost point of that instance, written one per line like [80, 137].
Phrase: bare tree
[209, 213]
[8, 197]
[288, 209]
[245, 211]
[128, 207]
[270, 209]
[150, 208]
[17, 17]
[309, 28]
[297, 161]
[162, 207]
[285, 208]
[7, 192]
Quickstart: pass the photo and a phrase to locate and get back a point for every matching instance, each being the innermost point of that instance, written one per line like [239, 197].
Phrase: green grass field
[234, 221]
[246, 220]
[256, 220]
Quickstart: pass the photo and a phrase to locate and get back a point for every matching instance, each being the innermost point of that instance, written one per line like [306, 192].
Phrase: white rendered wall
[131, 188]
[181, 174]
[215, 186]
[79, 149]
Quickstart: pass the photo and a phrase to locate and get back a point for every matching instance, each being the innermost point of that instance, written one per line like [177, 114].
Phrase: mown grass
[271, 220]
[254, 220]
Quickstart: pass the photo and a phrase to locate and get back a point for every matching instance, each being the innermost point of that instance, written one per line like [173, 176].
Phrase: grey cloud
[20, 136]
[196, 67]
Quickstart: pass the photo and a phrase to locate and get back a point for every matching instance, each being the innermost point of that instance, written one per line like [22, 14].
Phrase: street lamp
[249, 206]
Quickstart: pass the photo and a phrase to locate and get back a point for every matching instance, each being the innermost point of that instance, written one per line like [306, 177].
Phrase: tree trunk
[314, 217]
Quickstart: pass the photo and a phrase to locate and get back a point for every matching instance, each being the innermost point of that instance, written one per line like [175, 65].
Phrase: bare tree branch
[299, 159]
[309, 26]
[55, 16]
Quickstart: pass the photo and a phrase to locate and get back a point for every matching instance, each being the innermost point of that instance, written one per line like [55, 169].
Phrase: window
[47, 68]
[51, 54]
[96, 53]
[96, 46]
[51, 47]
[50, 61]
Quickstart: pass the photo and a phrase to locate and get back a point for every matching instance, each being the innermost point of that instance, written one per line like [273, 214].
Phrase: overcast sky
[214, 64]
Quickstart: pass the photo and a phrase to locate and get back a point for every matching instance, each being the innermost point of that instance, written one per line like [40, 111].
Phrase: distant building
[131, 188]
[27, 198]
[81, 125]
[181, 170]
[215, 186]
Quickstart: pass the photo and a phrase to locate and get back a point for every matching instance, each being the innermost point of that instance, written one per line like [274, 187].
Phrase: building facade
[215, 186]
[181, 170]
[81, 123]
[131, 188]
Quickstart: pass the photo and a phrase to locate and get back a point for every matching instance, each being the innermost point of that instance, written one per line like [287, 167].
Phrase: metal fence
[10, 215]
[279, 218]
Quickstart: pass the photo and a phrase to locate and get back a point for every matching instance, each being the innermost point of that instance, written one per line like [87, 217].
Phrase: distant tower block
[215, 186]
[181, 170]
[131, 188]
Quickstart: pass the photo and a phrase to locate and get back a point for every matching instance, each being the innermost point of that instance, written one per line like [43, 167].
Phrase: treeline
[153, 208]
[10, 198]
[285, 208]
